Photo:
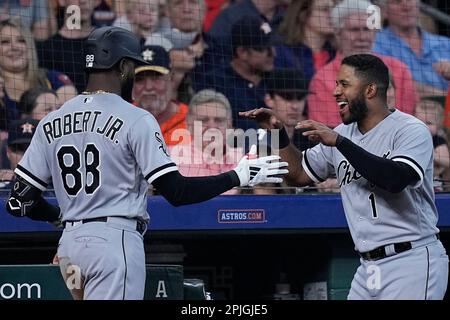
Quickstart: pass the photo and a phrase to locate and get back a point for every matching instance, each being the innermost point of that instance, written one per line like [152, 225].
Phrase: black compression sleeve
[26, 200]
[387, 174]
[44, 211]
[180, 190]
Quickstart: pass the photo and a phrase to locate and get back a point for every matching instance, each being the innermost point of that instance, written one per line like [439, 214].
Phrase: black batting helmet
[105, 47]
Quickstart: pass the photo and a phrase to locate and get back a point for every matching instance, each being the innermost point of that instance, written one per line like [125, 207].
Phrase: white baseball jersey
[101, 153]
[375, 216]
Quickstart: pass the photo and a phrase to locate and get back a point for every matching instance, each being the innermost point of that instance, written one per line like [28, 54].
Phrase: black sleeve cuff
[234, 178]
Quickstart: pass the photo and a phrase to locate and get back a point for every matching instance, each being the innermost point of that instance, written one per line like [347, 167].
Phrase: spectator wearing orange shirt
[153, 90]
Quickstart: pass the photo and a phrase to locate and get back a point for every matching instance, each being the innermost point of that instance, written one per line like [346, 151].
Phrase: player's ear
[371, 90]
[126, 69]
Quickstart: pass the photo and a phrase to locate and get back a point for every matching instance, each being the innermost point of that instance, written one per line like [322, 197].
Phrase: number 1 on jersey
[373, 205]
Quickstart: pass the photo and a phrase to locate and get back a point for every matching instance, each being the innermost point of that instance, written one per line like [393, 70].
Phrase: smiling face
[13, 50]
[349, 94]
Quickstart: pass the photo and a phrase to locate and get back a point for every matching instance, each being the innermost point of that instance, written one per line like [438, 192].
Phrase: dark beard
[127, 90]
[358, 109]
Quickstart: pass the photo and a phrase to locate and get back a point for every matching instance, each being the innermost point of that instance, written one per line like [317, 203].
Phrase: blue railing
[250, 212]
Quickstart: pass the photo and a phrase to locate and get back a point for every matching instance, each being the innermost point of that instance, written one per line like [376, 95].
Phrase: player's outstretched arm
[390, 175]
[250, 171]
[267, 119]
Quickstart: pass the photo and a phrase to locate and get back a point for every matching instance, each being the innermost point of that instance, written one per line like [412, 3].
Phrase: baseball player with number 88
[101, 153]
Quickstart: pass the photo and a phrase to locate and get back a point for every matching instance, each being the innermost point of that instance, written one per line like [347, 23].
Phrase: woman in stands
[306, 34]
[19, 66]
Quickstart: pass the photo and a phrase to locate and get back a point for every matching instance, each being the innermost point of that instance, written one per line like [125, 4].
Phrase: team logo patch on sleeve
[162, 145]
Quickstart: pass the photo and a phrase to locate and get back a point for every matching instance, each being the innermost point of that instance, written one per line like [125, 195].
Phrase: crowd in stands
[211, 59]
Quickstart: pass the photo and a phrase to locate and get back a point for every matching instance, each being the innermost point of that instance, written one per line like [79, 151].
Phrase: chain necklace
[95, 92]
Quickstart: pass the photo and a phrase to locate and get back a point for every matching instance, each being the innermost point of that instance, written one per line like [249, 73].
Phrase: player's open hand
[253, 170]
[266, 118]
[318, 132]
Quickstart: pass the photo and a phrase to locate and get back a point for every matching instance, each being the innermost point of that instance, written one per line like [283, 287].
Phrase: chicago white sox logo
[161, 143]
[89, 60]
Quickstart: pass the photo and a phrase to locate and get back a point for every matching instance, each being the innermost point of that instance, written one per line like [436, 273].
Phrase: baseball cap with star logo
[157, 58]
[251, 32]
[22, 131]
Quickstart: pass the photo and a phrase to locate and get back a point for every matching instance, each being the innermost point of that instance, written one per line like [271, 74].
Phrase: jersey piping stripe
[309, 171]
[31, 178]
[412, 163]
[158, 172]
[428, 273]
[126, 269]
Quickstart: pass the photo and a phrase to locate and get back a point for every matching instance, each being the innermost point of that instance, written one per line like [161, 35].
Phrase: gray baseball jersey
[100, 153]
[375, 216]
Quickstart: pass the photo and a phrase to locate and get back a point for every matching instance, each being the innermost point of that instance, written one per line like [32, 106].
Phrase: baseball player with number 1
[383, 160]
[101, 153]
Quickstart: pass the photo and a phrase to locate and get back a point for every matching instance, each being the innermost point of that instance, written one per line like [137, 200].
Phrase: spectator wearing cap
[19, 138]
[153, 92]
[286, 92]
[353, 36]
[271, 11]
[240, 80]
[427, 55]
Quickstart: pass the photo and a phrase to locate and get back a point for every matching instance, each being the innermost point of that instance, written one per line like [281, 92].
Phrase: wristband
[284, 138]
[339, 140]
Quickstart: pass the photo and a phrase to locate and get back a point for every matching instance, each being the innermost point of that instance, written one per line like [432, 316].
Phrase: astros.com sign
[20, 291]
